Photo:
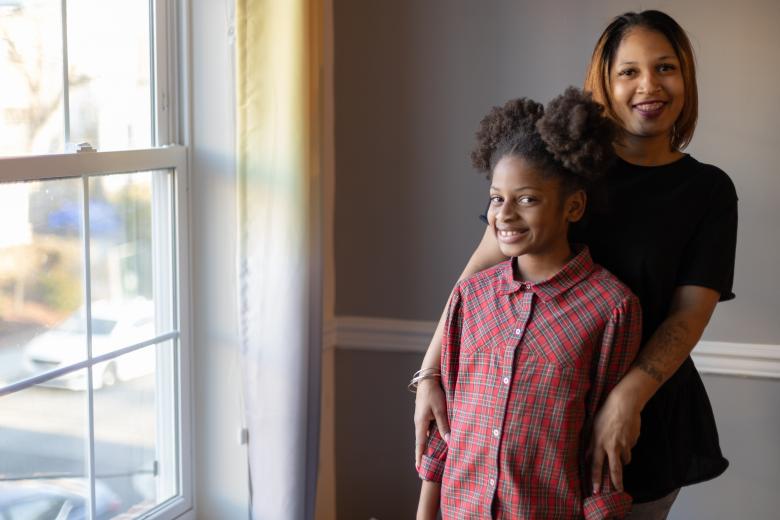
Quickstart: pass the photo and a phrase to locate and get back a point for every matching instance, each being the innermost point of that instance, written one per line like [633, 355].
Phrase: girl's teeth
[650, 106]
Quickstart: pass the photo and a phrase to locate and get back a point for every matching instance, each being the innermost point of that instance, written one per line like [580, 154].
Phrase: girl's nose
[505, 211]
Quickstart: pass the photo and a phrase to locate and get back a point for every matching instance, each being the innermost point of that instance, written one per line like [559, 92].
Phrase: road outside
[43, 431]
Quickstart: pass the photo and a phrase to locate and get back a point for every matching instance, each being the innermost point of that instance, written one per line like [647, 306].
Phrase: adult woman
[669, 232]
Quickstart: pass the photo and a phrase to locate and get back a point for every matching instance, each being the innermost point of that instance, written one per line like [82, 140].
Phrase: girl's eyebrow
[517, 189]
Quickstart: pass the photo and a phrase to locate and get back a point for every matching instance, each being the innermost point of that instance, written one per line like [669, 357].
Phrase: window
[94, 342]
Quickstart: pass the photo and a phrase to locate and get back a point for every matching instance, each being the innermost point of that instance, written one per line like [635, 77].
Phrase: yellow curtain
[278, 46]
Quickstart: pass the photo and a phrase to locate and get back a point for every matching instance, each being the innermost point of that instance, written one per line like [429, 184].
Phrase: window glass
[105, 98]
[109, 70]
[31, 67]
[130, 258]
[42, 324]
[134, 421]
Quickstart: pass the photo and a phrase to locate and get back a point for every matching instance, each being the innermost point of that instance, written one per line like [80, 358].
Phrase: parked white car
[115, 325]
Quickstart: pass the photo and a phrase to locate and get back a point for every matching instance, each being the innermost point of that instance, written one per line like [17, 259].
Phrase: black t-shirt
[662, 227]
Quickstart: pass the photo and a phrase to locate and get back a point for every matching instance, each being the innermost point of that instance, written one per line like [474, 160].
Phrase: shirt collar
[570, 275]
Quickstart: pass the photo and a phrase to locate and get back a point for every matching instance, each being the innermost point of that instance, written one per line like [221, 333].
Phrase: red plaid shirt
[524, 368]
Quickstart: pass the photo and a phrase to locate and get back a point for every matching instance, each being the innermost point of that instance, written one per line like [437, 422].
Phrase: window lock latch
[84, 148]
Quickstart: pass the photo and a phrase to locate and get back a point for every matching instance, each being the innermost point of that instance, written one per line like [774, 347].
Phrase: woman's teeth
[649, 107]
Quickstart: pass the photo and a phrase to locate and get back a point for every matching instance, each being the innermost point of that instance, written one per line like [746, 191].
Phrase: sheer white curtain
[279, 259]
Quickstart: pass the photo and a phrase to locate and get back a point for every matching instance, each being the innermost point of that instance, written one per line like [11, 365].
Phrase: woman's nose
[649, 83]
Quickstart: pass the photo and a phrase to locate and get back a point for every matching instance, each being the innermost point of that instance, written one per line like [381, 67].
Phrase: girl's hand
[615, 432]
[429, 404]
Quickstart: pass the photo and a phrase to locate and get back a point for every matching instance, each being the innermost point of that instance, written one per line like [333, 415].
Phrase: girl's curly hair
[570, 139]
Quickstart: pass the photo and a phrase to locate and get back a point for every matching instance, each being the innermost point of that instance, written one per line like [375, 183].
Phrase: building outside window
[94, 343]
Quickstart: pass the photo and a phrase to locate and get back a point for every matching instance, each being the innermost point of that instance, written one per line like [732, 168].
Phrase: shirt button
[496, 432]
[492, 482]
[506, 380]
[517, 332]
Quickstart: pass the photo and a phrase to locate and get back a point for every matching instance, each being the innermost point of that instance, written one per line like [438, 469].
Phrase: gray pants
[655, 510]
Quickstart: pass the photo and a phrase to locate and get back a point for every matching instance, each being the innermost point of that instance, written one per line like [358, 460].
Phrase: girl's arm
[430, 403]
[617, 424]
[428, 507]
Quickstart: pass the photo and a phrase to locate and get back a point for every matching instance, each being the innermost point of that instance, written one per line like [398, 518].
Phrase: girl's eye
[525, 199]
[666, 67]
[627, 73]
[495, 199]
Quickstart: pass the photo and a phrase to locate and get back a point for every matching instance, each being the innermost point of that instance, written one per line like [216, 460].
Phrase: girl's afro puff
[577, 134]
[571, 138]
[501, 127]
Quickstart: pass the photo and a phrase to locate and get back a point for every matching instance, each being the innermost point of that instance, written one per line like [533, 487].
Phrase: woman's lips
[650, 109]
[510, 236]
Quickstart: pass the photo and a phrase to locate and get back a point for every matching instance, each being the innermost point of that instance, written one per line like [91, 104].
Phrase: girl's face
[647, 84]
[527, 212]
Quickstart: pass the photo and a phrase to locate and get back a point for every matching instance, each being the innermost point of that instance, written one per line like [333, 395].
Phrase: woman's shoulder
[711, 175]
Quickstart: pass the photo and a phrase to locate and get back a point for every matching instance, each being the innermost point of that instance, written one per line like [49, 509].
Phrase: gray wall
[412, 80]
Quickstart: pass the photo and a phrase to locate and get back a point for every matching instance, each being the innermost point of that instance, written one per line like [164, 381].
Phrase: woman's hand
[430, 404]
[615, 432]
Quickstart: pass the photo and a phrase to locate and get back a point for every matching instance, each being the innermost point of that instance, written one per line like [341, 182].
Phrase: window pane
[109, 70]
[43, 461]
[130, 258]
[108, 100]
[42, 324]
[31, 108]
[135, 427]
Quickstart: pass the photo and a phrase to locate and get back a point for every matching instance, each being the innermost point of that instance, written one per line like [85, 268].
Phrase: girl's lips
[650, 110]
[510, 236]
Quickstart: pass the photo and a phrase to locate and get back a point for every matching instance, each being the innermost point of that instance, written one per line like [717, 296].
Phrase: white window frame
[170, 67]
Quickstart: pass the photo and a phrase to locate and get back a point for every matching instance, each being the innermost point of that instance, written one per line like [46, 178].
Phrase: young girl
[669, 233]
[532, 346]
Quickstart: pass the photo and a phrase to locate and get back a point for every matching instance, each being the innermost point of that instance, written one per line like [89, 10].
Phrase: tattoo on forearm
[649, 369]
[660, 357]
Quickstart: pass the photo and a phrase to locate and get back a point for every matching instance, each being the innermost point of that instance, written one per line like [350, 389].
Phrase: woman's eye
[526, 200]
[666, 67]
[495, 199]
[626, 72]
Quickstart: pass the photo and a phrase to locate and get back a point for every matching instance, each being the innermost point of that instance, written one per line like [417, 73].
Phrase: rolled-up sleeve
[435, 455]
[619, 346]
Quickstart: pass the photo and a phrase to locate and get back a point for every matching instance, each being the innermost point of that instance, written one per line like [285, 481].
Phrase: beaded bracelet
[422, 375]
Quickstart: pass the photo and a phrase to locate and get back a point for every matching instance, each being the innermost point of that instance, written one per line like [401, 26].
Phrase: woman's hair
[571, 139]
[597, 79]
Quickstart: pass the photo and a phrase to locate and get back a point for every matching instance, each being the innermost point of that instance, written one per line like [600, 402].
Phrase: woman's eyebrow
[659, 58]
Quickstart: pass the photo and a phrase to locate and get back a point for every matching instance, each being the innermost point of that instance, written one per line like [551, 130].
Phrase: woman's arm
[617, 424]
[430, 403]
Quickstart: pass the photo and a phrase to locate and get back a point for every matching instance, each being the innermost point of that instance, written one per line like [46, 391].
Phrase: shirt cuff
[431, 469]
[615, 504]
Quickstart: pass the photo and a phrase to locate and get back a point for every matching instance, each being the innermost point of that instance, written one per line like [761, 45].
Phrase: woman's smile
[650, 109]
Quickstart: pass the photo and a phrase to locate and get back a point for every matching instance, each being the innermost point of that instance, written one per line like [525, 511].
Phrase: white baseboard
[410, 336]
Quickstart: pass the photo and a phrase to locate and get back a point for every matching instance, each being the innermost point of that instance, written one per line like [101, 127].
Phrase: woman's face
[647, 84]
